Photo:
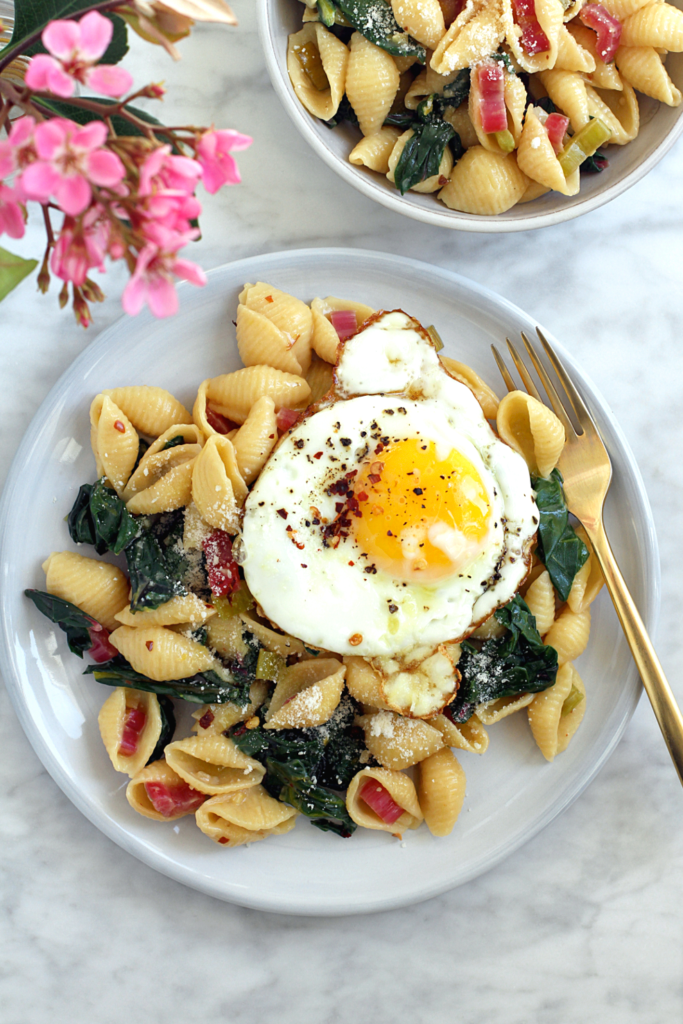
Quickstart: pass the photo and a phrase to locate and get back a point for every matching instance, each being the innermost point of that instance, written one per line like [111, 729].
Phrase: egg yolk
[423, 517]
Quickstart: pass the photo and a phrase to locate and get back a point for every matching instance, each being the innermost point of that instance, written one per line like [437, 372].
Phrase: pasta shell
[487, 398]
[372, 80]
[163, 481]
[334, 57]
[210, 718]
[571, 56]
[484, 183]
[234, 394]
[213, 764]
[495, 710]
[459, 118]
[184, 608]
[319, 378]
[363, 683]
[97, 588]
[158, 771]
[474, 35]
[603, 76]
[533, 191]
[398, 742]
[195, 530]
[245, 817]
[531, 429]
[278, 643]
[642, 68]
[115, 442]
[441, 791]
[112, 719]
[401, 790]
[550, 15]
[588, 581]
[545, 713]
[307, 695]
[569, 634]
[150, 410]
[218, 489]
[540, 599]
[325, 338]
[621, 9]
[255, 439]
[567, 90]
[260, 342]
[659, 25]
[619, 111]
[374, 151]
[291, 315]
[162, 654]
[422, 19]
[536, 157]
[435, 181]
[470, 735]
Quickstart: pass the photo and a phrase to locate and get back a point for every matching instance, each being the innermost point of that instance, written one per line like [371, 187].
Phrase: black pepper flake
[346, 441]
[418, 490]
[389, 412]
[300, 443]
[393, 608]
[281, 512]
[371, 569]
[304, 566]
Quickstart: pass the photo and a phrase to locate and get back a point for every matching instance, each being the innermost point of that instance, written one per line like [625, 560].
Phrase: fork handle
[656, 686]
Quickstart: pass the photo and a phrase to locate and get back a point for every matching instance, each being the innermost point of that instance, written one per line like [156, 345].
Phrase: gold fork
[587, 471]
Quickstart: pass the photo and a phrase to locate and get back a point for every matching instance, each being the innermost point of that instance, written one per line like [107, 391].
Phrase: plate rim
[155, 858]
[443, 218]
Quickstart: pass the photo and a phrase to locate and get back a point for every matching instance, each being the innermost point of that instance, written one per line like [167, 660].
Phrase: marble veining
[584, 922]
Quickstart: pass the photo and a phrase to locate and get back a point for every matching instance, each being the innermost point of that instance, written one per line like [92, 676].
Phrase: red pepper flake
[318, 455]
[281, 512]
[352, 563]
[223, 841]
[362, 496]
[150, 645]
[206, 719]
[356, 639]
[269, 298]
[118, 425]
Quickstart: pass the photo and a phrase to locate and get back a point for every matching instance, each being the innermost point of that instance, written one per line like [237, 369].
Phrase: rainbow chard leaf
[13, 270]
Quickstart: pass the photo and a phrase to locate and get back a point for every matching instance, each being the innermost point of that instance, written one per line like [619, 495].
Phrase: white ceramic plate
[511, 791]
[660, 126]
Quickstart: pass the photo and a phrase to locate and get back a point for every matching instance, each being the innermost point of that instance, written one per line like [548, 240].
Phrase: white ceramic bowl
[511, 792]
[660, 127]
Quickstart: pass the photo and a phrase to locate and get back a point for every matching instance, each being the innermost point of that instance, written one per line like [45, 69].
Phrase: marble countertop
[584, 922]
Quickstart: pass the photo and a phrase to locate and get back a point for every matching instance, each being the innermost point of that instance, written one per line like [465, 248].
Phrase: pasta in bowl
[503, 171]
[343, 566]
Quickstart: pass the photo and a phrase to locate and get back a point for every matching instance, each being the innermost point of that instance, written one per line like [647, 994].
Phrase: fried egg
[391, 517]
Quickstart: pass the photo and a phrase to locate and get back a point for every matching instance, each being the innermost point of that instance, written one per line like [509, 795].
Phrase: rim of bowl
[453, 219]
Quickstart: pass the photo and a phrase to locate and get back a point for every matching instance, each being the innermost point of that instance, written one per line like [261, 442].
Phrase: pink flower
[218, 166]
[69, 160]
[152, 280]
[161, 170]
[17, 151]
[11, 219]
[80, 248]
[74, 47]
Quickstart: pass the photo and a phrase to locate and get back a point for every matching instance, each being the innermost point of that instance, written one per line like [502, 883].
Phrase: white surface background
[582, 924]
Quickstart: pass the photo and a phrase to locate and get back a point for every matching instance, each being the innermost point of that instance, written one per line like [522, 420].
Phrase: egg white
[388, 376]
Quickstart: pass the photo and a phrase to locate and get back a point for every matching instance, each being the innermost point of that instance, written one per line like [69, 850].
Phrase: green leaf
[122, 127]
[292, 784]
[458, 90]
[152, 579]
[345, 112]
[167, 714]
[375, 20]
[13, 270]
[99, 517]
[518, 662]
[203, 688]
[31, 17]
[173, 442]
[75, 623]
[422, 153]
[560, 549]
